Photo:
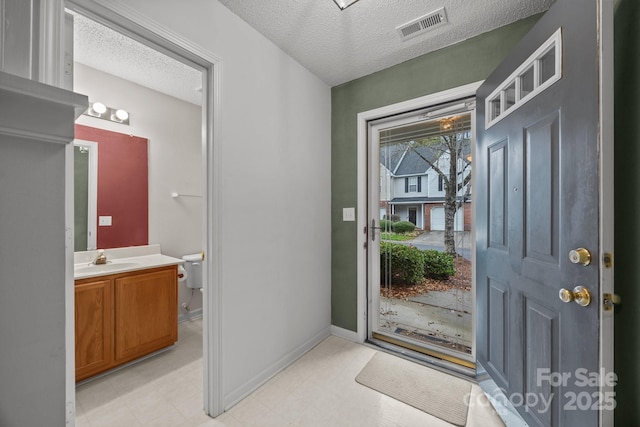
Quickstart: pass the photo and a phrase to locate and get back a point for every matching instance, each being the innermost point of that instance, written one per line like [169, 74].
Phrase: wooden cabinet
[94, 326]
[124, 316]
[146, 314]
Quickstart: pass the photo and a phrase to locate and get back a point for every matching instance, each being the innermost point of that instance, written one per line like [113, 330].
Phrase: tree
[451, 160]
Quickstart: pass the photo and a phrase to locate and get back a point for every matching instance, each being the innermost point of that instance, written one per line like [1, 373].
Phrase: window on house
[412, 184]
[440, 183]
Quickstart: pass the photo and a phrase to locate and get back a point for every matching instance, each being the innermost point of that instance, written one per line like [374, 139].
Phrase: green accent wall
[627, 210]
[466, 62]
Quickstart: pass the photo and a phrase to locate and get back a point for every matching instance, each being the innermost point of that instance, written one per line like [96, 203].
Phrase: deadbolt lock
[610, 300]
[580, 295]
[580, 256]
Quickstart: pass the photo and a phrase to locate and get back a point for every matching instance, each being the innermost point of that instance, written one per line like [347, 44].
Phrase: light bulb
[99, 107]
[122, 115]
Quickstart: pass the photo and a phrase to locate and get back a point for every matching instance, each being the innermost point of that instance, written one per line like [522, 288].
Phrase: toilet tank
[193, 266]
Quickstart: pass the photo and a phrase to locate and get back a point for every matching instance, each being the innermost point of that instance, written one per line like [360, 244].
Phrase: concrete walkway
[445, 325]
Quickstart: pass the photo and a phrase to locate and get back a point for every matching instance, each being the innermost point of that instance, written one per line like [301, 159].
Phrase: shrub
[438, 265]
[403, 227]
[385, 225]
[401, 264]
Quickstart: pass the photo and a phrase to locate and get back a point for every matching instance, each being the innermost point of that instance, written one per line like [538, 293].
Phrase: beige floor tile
[82, 421]
[319, 389]
[170, 417]
[481, 413]
[112, 414]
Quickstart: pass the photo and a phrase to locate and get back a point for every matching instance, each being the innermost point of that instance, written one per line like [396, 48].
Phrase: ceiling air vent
[419, 25]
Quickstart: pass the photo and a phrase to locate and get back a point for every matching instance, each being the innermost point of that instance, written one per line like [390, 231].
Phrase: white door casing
[131, 23]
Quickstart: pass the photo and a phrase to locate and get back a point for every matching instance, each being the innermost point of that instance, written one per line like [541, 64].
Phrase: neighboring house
[411, 188]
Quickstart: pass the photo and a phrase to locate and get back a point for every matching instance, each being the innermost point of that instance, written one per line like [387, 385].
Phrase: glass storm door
[420, 277]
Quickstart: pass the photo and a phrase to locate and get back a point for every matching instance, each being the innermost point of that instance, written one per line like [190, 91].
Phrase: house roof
[391, 155]
[415, 161]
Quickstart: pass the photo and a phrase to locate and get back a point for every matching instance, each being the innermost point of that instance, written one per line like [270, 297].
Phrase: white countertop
[121, 260]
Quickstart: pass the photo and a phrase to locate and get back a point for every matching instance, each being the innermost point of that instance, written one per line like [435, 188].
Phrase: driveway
[435, 240]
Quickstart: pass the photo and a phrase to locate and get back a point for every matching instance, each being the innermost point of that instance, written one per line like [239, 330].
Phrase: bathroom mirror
[111, 189]
[85, 162]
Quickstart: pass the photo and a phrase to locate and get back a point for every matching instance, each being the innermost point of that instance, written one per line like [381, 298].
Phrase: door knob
[580, 256]
[580, 295]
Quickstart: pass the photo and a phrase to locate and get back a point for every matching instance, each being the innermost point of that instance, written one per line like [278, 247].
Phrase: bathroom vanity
[125, 309]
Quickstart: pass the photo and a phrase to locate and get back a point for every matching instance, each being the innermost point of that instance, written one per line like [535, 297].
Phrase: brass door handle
[580, 295]
[580, 256]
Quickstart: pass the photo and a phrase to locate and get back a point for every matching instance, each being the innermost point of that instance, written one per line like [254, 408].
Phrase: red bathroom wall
[123, 186]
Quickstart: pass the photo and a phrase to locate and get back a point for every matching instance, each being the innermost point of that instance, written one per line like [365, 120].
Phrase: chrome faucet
[101, 258]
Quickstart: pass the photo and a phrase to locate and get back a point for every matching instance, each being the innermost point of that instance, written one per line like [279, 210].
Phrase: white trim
[69, 292]
[345, 334]
[51, 43]
[606, 190]
[474, 288]
[126, 18]
[92, 202]
[362, 127]
[534, 60]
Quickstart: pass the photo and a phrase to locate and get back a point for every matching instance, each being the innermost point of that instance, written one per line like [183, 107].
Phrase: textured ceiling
[339, 46]
[104, 49]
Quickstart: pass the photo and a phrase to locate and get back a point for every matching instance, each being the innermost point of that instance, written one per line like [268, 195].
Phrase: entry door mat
[431, 391]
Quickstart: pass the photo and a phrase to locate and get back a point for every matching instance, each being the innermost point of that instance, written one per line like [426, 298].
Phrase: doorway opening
[420, 290]
[189, 189]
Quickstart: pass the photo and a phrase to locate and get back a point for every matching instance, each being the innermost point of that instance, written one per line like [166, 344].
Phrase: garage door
[437, 219]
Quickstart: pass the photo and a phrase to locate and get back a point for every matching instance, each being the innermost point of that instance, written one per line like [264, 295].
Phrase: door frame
[363, 120]
[606, 208]
[126, 20]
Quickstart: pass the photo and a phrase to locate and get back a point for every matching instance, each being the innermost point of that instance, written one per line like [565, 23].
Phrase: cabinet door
[146, 313]
[94, 326]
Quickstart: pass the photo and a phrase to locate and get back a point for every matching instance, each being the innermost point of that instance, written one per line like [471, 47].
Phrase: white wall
[275, 243]
[432, 188]
[174, 130]
[386, 192]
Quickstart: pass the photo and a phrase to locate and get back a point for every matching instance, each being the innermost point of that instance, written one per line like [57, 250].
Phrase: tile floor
[317, 390]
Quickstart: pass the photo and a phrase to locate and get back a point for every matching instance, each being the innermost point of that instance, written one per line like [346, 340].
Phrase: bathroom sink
[109, 267]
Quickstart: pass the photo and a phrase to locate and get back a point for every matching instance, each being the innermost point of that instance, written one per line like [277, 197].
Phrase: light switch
[348, 214]
[104, 221]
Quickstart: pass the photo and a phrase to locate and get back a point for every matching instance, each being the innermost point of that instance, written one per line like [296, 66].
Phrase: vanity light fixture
[101, 111]
[343, 4]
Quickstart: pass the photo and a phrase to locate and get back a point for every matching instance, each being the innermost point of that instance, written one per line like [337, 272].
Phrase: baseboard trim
[191, 315]
[344, 334]
[253, 384]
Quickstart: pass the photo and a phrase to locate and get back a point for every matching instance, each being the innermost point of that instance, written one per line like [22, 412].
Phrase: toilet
[193, 267]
